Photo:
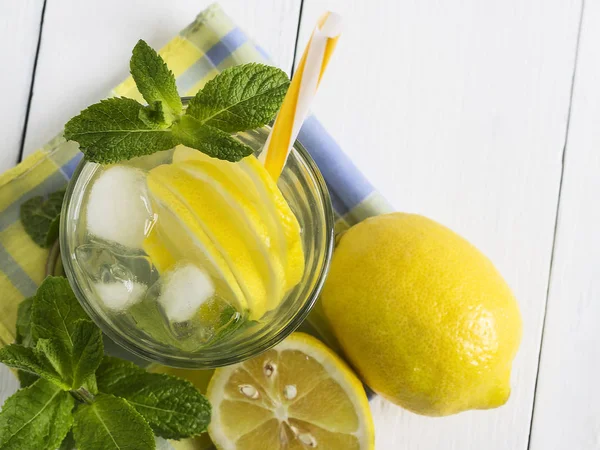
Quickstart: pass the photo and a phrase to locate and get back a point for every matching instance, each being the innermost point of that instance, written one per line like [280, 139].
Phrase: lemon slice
[256, 195]
[243, 181]
[298, 395]
[201, 200]
[288, 222]
[251, 176]
[250, 224]
[176, 236]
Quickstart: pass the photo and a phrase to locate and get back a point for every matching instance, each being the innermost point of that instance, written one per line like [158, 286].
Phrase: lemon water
[188, 248]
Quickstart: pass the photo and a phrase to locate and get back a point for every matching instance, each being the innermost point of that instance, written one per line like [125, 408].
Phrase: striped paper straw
[301, 92]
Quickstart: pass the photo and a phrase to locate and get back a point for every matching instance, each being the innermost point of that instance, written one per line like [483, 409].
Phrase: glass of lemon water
[191, 261]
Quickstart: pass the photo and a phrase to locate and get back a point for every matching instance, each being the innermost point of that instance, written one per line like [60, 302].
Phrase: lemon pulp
[297, 395]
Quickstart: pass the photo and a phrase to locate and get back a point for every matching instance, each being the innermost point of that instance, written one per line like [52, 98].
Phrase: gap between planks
[32, 85]
[558, 203]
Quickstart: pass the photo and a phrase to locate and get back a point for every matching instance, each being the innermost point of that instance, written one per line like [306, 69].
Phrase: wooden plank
[567, 405]
[458, 110]
[86, 48]
[19, 32]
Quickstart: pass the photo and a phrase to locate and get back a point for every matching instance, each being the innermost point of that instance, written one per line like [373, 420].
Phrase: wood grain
[86, 48]
[567, 405]
[458, 110]
[19, 32]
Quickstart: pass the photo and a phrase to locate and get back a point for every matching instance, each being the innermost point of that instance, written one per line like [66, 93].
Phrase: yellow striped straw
[301, 92]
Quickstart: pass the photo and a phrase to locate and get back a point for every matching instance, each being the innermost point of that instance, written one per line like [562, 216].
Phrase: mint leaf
[209, 140]
[31, 360]
[173, 407]
[37, 417]
[240, 98]
[40, 218]
[153, 79]
[111, 423]
[55, 312]
[26, 379]
[58, 357]
[24, 322]
[154, 115]
[112, 131]
[87, 353]
[64, 333]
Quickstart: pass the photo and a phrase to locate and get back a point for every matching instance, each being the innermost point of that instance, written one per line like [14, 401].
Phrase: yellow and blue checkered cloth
[207, 46]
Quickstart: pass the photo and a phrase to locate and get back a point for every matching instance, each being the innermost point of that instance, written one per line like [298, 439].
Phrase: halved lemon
[298, 395]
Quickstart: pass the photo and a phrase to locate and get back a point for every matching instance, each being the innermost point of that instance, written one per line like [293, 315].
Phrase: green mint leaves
[41, 217]
[33, 360]
[209, 140]
[112, 131]
[154, 80]
[171, 406]
[238, 99]
[111, 423]
[38, 417]
[65, 333]
[109, 403]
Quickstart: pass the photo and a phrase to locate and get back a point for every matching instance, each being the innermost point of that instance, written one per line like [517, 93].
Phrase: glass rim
[186, 361]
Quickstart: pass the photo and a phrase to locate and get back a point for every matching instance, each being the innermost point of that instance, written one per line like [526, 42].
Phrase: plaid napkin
[207, 46]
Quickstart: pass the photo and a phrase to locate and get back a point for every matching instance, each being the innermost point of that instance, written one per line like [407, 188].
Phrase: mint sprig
[112, 403]
[240, 98]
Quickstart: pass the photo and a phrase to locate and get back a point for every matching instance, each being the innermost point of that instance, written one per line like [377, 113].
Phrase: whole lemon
[422, 315]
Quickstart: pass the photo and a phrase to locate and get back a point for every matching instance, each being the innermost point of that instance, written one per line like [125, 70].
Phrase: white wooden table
[484, 115]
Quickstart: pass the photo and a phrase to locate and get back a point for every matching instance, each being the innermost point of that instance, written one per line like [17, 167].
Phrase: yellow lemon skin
[424, 317]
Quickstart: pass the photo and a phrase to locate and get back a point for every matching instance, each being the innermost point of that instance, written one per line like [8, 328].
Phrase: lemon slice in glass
[202, 200]
[251, 176]
[251, 224]
[177, 235]
[298, 395]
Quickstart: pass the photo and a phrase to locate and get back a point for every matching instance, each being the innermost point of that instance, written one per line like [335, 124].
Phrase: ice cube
[183, 291]
[118, 208]
[119, 296]
[108, 263]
